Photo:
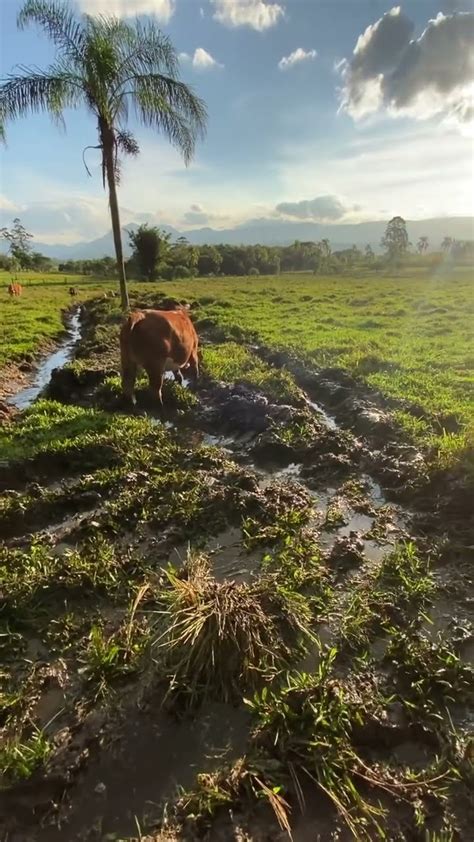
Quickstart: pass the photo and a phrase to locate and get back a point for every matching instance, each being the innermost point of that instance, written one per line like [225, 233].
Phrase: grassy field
[31, 322]
[233, 601]
[410, 337]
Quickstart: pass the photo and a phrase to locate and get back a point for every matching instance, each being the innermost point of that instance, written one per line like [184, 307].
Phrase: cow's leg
[178, 376]
[193, 369]
[129, 375]
[155, 373]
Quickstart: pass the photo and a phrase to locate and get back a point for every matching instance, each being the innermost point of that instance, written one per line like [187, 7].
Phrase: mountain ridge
[272, 232]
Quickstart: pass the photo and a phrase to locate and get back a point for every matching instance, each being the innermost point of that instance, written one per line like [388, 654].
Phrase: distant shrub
[254, 271]
[181, 272]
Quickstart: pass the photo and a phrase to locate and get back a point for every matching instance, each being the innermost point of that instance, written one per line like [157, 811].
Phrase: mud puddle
[229, 560]
[143, 766]
[59, 357]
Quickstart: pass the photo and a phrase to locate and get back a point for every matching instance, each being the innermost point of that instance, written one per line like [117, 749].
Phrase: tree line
[155, 256]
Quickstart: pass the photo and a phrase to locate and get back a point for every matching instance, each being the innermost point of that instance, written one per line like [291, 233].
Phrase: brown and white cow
[15, 289]
[158, 341]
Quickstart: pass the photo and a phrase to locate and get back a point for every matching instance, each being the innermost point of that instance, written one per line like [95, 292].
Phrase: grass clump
[34, 575]
[405, 575]
[108, 659]
[247, 779]
[234, 363]
[85, 437]
[175, 396]
[392, 597]
[429, 674]
[216, 639]
[305, 726]
[20, 757]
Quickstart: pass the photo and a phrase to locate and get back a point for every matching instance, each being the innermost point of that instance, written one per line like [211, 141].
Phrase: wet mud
[342, 478]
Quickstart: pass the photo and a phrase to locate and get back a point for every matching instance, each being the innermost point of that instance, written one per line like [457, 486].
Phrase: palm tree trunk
[108, 152]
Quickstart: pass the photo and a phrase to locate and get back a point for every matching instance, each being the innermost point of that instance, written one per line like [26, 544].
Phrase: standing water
[58, 358]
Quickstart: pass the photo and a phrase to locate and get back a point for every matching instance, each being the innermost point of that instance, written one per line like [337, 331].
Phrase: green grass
[234, 363]
[109, 601]
[408, 336]
[33, 321]
[20, 758]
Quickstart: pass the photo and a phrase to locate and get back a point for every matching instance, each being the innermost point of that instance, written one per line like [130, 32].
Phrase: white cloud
[196, 215]
[63, 221]
[382, 169]
[422, 77]
[163, 9]
[321, 209]
[296, 57]
[7, 206]
[201, 60]
[257, 14]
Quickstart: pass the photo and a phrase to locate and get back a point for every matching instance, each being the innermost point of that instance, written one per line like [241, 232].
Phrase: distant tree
[6, 263]
[19, 239]
[112, 67]
[40, 263]
[184, 255]
[273, 265]
[422, 245]
[209, 261]
[150, 249]
[395, 240]
[369, 253]
[324, 255]
[447, 243]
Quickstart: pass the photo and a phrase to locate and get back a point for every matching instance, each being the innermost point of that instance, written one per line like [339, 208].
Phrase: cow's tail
[132, 321]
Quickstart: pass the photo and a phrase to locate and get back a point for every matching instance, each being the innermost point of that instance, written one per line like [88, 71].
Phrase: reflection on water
[58, 358]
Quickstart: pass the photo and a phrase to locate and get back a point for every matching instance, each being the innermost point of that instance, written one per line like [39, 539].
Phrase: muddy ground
[339, 705]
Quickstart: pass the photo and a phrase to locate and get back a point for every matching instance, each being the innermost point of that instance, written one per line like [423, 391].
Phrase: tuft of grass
[110, 658]
[233, 363]
[247, 779]
[19, 757]
[406, 575]
[395, 594]
[216, 639]
[429, 674]
[305, 726]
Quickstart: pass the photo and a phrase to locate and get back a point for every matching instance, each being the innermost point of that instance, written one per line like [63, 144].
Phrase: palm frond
[127, 143]
[60, 24]
[170, 106]
[145, 49]
[38, 91]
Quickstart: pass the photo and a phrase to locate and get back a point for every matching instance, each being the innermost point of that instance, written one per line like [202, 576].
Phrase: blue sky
[299, 125]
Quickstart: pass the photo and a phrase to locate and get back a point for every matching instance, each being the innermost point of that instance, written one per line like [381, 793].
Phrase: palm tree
[422, 245]
[107, 65]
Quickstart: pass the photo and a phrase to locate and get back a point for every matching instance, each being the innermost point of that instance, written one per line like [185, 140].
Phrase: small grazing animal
[15, 289]
[158, 341]
[72, 291]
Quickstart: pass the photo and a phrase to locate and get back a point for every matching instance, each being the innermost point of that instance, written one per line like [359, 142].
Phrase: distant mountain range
[274, 232]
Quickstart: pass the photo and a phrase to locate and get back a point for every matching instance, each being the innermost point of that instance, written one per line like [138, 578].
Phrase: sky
[319, 110]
